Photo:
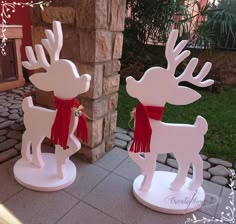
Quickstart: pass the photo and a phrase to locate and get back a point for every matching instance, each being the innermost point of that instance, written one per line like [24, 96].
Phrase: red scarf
[60, 127]
[143, 130]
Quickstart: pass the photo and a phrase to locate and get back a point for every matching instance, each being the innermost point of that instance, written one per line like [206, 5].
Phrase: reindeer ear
[183, 96]
[41, 81]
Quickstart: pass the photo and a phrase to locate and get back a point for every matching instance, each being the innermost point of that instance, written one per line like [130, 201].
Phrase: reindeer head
[159, 86]
[60, 73]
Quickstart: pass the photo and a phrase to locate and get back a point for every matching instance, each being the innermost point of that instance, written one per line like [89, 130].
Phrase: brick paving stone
[2, 110]
[8, 154]
[219, 180]
[172, 162]
[203, 157]
[9, 143]
[18, 127]
[13, 116]
[13, 111]
[225, 203]
[131, 134]
[2, 138]
[34, 207]
[18, 146]
[171, 155]
[190, 170]
[112, 159]
[15, 106]
[10, 98]
[4, 114]
[19, 120]
[2, 97]
[15, 135]
[206, 165]
[9, 186]
[86, 214]
[6, 104]
[6, 124]
[2, 119]
[121, 130]
[216, 161]
[219, 171]
[3, 132]
[18, 91]
[206, 175]
[120, 143]
[123, 137]
[16, 101]
[161, 158]
[12, 94]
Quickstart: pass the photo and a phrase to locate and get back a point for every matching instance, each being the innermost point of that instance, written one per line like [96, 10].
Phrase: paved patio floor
[101, 194]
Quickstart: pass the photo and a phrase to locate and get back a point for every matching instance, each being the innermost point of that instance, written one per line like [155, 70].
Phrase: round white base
[44, 179]
[162, 199]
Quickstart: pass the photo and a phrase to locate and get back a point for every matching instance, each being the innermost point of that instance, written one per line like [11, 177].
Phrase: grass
[218, 109]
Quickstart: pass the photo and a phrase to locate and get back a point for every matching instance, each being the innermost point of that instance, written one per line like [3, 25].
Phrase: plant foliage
[210, 25]
[151, 20]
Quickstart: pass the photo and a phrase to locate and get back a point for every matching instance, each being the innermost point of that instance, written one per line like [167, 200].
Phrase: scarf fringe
[140, 146]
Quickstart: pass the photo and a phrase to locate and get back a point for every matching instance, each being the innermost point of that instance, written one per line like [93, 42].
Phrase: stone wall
[93, 40]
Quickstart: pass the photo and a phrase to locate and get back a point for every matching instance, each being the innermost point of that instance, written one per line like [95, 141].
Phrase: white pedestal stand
[46, 178]
[162, 199]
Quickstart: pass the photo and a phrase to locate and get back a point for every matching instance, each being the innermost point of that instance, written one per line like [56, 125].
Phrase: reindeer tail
[27, 103]
[201, 124]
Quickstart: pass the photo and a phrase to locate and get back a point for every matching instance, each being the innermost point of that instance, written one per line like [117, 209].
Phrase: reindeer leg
[182, 173]
[148, 170]
[59, 153]
[37, 158]
[197, 173]
[63, 155]
[25, 149]
[140, 161]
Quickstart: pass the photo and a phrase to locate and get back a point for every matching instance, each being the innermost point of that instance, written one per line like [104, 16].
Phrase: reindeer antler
[174, 58]
[53, 45]
[197, 80]
[172, 53]
[33, 63]
[54, 41]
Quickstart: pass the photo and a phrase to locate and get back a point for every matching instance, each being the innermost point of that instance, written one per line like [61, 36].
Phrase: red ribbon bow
[60, 127]
[143, 130]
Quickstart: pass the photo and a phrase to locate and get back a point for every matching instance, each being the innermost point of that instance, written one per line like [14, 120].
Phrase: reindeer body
[175, 133]
[157, 87]
[61, 77]
[31, 137]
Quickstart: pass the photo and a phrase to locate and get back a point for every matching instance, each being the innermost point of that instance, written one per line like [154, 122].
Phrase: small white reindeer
[62, 78]
[157, 87]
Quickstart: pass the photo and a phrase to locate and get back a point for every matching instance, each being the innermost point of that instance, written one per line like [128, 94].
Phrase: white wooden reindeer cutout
[165, 191]
[47, 171]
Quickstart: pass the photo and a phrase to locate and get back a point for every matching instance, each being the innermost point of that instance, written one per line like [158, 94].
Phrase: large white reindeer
[62, 78]
[157, 87]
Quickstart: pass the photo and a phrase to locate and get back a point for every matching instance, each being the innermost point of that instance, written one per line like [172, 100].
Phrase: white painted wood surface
[157, 87]
[62, 77]
[161, 198]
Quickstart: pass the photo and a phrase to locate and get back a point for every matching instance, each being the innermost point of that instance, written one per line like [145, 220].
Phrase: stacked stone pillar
[93, 40]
